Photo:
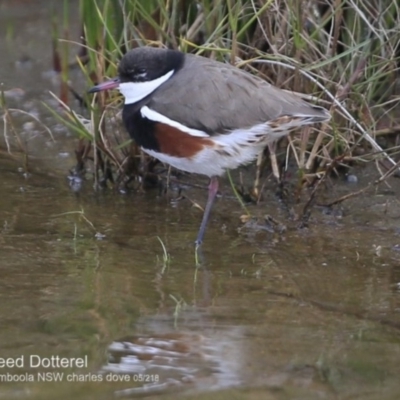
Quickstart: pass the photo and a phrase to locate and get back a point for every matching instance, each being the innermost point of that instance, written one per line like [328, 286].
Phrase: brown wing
[216, 97]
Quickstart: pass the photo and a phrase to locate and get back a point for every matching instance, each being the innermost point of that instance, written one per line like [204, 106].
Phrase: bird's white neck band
[136, 91]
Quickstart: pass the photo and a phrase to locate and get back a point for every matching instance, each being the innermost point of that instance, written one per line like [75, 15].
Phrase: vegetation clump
[341, 54]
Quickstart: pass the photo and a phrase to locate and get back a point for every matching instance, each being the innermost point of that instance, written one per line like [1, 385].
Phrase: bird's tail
[315, 115]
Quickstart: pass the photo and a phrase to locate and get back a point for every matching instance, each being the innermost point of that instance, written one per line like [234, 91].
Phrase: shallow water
[305, 314]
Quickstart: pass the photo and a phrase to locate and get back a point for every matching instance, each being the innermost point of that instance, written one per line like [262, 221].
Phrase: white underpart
[230, 150]
[136, 91]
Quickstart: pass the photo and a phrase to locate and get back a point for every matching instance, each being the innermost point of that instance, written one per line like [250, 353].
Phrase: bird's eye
[136, 74]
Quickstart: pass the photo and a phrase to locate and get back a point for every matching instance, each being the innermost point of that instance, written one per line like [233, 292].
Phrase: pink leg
[212, 191]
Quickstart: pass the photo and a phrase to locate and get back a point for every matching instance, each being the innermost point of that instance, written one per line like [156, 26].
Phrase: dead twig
[383, 178]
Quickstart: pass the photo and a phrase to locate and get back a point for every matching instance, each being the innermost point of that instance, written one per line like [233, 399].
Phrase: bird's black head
[145, 64]
[141, 71]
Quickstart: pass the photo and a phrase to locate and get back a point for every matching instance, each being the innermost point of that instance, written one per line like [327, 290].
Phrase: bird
[203, 116]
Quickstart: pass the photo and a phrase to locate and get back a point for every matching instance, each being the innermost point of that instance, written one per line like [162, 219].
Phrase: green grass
[344, 57]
